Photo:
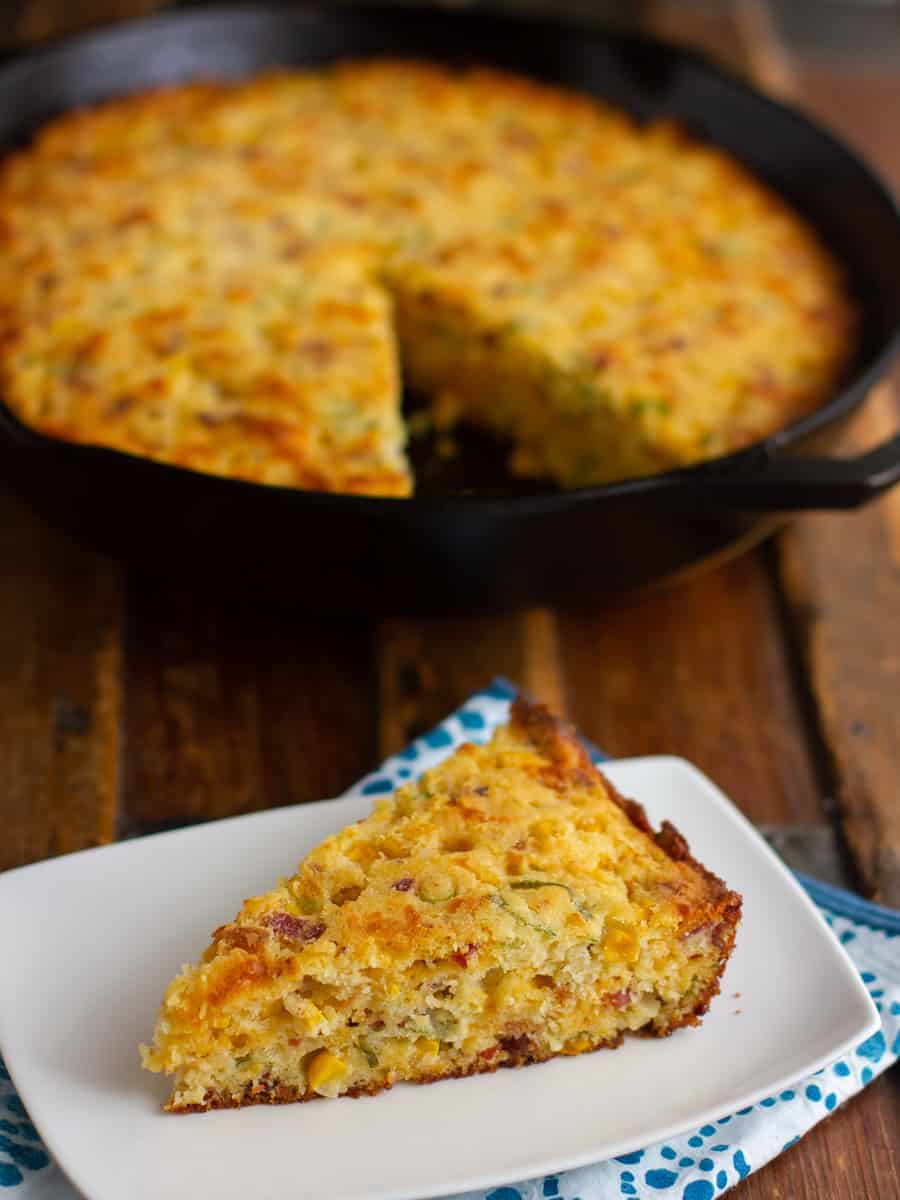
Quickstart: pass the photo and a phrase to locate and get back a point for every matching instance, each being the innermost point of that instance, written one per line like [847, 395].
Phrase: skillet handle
[808, 483]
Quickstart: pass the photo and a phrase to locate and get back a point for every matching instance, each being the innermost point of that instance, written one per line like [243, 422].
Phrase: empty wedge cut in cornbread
[507, 907]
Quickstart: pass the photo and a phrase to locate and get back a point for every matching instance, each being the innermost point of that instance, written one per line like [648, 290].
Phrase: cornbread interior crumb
[215, 275]
[506, 908]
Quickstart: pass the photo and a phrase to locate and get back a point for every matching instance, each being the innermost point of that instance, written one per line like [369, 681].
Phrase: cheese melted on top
[217, 275]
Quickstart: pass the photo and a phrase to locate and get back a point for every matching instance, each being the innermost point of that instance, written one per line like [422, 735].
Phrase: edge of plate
[536, 1168]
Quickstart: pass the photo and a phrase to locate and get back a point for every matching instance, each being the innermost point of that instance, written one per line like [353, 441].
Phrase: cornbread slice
[508, 907]
[615, 299]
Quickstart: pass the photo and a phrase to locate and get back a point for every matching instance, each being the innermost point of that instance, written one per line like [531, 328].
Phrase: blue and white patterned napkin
[698, 1165]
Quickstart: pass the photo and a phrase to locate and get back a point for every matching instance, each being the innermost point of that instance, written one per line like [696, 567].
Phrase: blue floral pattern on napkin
[697, 1165]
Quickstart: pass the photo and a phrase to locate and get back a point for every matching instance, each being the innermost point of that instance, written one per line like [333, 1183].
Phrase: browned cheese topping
[224, 276]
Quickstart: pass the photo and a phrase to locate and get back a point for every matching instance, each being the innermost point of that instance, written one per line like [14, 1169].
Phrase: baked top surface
[220, 296]
[510, 887]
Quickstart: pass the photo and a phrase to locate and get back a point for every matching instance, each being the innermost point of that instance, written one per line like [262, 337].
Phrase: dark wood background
[127, 707]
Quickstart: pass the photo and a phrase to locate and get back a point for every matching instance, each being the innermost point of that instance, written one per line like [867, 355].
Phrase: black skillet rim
[748, 461]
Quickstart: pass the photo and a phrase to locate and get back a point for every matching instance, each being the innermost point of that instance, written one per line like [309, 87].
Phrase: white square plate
[90, 941]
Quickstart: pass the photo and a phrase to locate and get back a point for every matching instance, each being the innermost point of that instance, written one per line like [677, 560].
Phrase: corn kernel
[434, 886]
[485, 872]
[545, 828]
[577, 1045]
[428, 1046]
[324, 1069]
[515, 863]
[620, 943]
[508, 993]
[404, 801]
[307, 1016]
[393, 846]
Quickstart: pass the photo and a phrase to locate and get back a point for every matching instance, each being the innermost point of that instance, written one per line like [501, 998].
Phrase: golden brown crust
[558, 739]
[511, 866]
[276, 1094]
[509, 230]
[549, 734]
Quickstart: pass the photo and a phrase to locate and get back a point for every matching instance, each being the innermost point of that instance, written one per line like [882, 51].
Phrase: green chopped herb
[527, 885]
[367, 1052]
[502, 903]
[443, 1022]
[640, 407]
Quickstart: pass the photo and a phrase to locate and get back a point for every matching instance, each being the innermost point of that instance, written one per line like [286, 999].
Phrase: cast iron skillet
[471, 539]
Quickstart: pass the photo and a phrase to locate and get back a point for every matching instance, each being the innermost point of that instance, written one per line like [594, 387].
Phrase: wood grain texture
[862, 106]
[842, 576]
[34, 20]
[426, 668]
[59, 692]
[841, 573]
[698, 670]
[705, 25]
[233, 707]
[208, 707]
[853, 1155]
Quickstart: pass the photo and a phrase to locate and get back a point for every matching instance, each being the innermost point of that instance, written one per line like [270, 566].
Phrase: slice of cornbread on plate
[507, 907]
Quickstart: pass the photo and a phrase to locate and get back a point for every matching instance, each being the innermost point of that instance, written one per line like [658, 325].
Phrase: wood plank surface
[427, 668]
[843, 580]
[698, 670]
[839, 605]
[841, 572]
[34, 20]
[232, 706]
[132, 706]
[60, 692]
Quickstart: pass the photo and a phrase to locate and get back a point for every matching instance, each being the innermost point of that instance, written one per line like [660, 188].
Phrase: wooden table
[127, 707]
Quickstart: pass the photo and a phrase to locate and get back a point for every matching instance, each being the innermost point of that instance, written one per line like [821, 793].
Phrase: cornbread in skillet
[216, 275]
[506, 908]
